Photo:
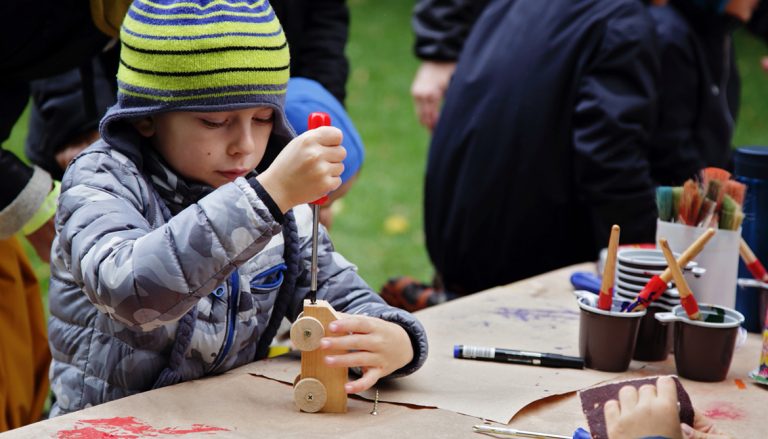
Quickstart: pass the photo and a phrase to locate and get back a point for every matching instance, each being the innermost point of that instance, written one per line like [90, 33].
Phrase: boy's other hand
[649, 411]
[309, 167]
[703, 428]
[377, 346]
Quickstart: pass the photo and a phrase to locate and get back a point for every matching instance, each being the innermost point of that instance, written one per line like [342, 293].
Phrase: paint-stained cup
[607, 338]
[704, 348]
[654, 339]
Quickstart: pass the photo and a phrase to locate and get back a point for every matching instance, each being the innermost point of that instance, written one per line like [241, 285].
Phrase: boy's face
[741, 9]
[211, 148]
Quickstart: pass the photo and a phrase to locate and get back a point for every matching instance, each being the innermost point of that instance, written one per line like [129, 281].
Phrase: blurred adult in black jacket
[542, 142]
[699, 88]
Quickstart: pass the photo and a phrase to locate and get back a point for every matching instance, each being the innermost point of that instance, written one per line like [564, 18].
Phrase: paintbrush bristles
[690, 203]
[736, 190]
[711, 174]
[731, 215]
[664, 203]
[677, 194]
[701, 204]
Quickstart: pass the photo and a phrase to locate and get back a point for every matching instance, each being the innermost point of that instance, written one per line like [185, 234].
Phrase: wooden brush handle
[686, 296]
[746, 252]
[609, 271]
[753, 264]
[691, 252]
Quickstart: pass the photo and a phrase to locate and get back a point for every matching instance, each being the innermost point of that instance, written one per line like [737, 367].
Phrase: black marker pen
[518, 357]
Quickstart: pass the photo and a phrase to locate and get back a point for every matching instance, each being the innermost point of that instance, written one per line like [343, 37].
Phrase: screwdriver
[316, 119]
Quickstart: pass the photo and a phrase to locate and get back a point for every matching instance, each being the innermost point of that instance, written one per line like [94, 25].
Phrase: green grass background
[382, 61]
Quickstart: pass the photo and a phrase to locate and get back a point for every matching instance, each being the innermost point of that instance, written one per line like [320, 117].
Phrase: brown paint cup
[703, 350]
[607, 338]
[654, 339]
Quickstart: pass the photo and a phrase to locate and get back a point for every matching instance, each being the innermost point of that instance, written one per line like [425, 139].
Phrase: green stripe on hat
[232, 49]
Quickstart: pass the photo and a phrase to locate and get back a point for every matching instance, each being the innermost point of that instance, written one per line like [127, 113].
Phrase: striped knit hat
[199, 55]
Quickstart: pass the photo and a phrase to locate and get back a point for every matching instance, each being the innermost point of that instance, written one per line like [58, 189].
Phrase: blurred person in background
[542, 141]
[699, 87]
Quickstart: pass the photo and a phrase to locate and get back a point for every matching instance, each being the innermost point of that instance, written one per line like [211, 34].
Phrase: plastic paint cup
[654, 339]
[703, 350]
[607, 338]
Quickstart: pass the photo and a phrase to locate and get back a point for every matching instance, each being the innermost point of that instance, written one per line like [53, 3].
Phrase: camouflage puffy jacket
[122, 277]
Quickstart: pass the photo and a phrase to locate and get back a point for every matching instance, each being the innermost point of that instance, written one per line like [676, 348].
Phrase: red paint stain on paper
[740, 384]
[724, 411]
[128, 428]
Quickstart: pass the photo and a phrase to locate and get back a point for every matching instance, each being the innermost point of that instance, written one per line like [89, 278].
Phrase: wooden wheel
[306, 333]
[309, 395]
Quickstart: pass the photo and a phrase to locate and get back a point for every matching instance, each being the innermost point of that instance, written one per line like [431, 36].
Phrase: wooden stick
[686, 296]
[605, 299]
[658, 283]
[691, 252]
[753, 264]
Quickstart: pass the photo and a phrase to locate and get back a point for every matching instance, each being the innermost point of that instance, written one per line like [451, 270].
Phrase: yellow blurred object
[275, 351]
[108, 15]
[24, 353]
[396, 224]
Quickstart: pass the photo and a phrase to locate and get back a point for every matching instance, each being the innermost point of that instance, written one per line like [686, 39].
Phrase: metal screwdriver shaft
[313, 274]
[316, 120]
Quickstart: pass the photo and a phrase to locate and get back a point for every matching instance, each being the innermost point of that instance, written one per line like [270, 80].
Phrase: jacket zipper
[233, 305]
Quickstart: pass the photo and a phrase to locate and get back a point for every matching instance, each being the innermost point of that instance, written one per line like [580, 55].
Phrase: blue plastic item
[752, 169]
[584, 280]
[580, 433]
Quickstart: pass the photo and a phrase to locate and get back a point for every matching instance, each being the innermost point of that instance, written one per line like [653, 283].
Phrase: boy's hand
[377, 346]
[307, 168]
[650, 411]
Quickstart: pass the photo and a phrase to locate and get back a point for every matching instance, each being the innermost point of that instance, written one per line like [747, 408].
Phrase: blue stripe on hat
[201, 21]
[239, 7]
[278, 88]
[201, 37]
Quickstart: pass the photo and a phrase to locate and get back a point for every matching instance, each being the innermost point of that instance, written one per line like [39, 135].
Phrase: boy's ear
[145, 126]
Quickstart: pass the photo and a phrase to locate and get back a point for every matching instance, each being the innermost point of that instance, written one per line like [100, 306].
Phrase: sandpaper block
[593, 399]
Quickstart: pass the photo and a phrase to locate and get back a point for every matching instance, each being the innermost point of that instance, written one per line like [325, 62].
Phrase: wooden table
[244, 403]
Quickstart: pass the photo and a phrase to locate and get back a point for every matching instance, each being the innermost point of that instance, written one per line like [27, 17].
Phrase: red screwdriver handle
[319, 119]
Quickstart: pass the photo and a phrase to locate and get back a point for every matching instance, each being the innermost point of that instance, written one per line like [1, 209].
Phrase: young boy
[173, 258]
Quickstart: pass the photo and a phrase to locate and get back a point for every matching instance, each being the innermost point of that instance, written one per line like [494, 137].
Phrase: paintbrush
[713, 181]
[690, 203]
[710, 203]
[677, 194]
[605, 299]
[753, 264]
[686, 296]
[736, 190]
[664, 203]
[658, 283]
[731, 214]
